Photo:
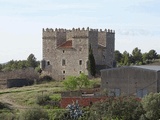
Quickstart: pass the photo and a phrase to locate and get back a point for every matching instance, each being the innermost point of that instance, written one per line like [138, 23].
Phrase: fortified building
[65, 52]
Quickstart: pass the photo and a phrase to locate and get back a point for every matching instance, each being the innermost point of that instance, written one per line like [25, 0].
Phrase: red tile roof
[67, 44]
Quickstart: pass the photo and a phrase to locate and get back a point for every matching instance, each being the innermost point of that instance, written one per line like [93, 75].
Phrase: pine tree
[91, 62]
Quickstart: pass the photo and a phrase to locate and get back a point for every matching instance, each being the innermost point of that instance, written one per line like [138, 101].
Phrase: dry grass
[26, 96]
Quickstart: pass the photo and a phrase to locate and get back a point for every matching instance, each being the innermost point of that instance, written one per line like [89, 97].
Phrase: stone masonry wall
[81, 39]
[28, 73]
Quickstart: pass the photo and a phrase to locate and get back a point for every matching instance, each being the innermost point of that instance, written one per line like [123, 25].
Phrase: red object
[82, 101]
[67, 44]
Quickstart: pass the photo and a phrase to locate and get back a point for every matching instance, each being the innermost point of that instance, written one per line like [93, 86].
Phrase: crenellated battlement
[50, 30]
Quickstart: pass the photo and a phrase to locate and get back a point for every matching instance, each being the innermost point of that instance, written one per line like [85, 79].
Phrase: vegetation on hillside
[21, 64]
[136, 58]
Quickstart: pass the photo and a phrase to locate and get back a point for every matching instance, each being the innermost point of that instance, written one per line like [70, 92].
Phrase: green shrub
[45, 78]
[121, 108]
[41, 99]
[7, 116]
[59, 115]
[151, 104]
[34, 114]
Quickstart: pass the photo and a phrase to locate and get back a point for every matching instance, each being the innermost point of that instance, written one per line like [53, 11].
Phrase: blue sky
[136, 23]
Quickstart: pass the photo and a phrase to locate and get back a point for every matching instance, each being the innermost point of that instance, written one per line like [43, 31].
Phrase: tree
[91, 62]
[137, 55]
[145, 57]
[119, 108]
[118, 56]
[126, 60]
[31, 60]
[82, 81]
[70, 83]
[152, 54]
[76, 82]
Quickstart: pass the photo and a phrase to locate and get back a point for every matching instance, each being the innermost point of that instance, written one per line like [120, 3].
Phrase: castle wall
[61, 37]
[110, 47]
[72, 58]
[102, 38]
[93, 41]
[78, 52]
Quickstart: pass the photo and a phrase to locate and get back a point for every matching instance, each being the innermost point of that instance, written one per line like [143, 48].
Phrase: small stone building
[65, 52]
[137, 80]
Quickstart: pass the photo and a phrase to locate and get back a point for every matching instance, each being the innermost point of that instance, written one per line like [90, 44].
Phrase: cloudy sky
[136, 23]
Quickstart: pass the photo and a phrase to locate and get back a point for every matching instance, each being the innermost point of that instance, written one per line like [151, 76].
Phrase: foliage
[34, 114]
[151, 105]
[21, 64]
[42, 98]
[70, 83]
[121, 108]
[38, 69]
[91, 62]
[31, 61]
[44, 78]
[152, 54]
[118, 56]
[74, 82]
[137, 55]
[136, 58]
[74, 110]
[59, 114]
[8, 116]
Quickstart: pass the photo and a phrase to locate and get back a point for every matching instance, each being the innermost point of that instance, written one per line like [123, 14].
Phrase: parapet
[77, 29]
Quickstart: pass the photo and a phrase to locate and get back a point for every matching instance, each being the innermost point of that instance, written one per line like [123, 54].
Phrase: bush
[41, 99]
[45, 78]
[121, 108]
[7, 116]
[34, 114]
[59, 115]
[151, 105]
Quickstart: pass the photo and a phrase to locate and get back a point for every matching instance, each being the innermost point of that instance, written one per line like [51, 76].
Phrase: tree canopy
[136, 58]
[14, 64]
[76, 82]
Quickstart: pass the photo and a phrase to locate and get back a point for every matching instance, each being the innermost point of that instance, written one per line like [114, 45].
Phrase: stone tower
[65, 52]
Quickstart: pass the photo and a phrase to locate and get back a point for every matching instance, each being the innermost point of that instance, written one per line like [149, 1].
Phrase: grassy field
[25, 97]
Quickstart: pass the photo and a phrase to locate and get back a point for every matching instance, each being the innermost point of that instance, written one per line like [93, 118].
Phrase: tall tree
[118, 56]
[126, 60]
[145, 57]
[31, 60]
[137, 55]
[91, 62]
[152, 54]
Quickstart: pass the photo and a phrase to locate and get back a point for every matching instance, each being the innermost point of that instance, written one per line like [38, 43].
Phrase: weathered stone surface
[76, 55]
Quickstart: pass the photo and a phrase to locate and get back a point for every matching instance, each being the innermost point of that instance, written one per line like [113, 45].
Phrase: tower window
[63, 62]
[63, 51]
[64, 71]
[80, 72]
[80, 62]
